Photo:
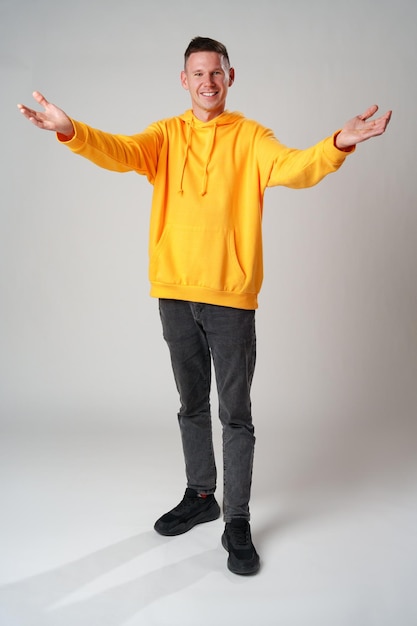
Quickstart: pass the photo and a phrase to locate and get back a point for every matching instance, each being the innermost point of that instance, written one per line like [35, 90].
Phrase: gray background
[82, 359]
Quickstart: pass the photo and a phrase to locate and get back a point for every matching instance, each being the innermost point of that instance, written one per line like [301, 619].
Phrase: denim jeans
[197, 335]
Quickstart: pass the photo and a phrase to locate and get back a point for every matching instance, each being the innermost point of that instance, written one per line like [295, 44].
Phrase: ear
[231, 76]
[184, 81]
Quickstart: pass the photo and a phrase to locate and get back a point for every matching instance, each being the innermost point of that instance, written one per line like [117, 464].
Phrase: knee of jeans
[193, 410]
[239, 422]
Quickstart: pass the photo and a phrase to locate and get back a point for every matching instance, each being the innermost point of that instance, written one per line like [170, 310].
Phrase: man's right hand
[51, 118]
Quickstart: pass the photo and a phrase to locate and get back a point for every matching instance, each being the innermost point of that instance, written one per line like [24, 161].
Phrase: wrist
[340, 145]
[67, 132]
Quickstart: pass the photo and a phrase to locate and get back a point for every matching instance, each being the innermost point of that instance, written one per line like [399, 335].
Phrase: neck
[206, 116]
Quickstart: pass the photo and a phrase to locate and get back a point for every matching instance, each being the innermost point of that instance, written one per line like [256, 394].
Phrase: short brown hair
[205, 44]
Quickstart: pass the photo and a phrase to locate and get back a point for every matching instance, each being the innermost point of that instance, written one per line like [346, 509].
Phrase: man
[209, 169]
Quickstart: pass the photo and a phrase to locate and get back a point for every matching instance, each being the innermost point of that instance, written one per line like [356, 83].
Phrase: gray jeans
[196, 334]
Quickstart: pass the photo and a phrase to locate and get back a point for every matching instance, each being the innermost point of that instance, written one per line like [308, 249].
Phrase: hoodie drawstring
[205, 177]
[187, 149]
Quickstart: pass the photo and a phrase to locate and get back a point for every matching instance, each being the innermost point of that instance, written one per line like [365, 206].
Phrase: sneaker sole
[243, 569]
[207, 516]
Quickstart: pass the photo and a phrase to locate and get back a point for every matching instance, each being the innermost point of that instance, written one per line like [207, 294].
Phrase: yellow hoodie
[209, 178]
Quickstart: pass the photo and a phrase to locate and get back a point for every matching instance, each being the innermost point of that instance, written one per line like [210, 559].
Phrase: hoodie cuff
[346, 150]
[77, 140]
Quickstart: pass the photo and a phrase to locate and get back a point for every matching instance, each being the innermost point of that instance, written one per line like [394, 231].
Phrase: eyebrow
[215, 69]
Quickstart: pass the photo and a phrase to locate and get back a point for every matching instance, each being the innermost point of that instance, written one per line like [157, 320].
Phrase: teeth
[209, 94]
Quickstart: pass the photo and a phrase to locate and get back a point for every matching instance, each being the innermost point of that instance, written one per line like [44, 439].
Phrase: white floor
[335, 524]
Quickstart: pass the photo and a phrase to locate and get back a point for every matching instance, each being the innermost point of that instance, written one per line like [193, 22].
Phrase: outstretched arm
[361, 128]
[51, 118]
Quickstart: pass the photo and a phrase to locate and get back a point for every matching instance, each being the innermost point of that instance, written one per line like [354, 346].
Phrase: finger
[25, 110]
[378, 126]
[383, 121]
[387, 116]
[40, 98]
[33, 116]
[370, 111]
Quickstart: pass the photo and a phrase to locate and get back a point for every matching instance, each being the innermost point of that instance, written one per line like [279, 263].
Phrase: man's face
[207, 77]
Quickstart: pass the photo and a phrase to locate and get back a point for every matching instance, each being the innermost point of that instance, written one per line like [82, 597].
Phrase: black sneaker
[193, 509]
[237, 540]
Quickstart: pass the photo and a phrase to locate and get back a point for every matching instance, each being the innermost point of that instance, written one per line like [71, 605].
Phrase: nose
[208, 79]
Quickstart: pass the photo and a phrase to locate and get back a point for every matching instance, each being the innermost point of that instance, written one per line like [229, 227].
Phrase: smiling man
[210, 168]
[207, 76]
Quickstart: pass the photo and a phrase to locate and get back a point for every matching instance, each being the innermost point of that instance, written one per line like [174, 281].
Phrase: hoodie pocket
[197, 257]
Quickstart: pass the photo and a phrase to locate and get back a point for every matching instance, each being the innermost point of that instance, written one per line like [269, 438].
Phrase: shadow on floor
[45, 599]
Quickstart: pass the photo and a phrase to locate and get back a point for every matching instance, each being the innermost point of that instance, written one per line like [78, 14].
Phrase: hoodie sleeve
[298, 169]
[118, 153]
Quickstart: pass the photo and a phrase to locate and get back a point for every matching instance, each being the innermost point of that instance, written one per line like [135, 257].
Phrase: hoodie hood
[194, 125]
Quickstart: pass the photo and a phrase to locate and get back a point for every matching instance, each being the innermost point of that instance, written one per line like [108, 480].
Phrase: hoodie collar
[194, 125]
